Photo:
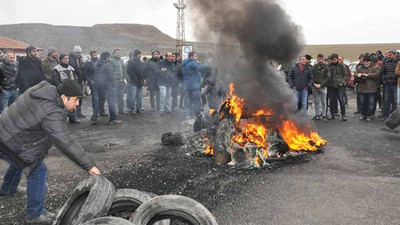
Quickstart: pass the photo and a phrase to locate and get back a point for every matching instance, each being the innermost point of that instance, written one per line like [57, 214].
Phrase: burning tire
[92, 198]
[108, 221]
[173, 207]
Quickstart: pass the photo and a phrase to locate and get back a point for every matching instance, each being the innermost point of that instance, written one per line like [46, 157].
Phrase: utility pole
[180, 25]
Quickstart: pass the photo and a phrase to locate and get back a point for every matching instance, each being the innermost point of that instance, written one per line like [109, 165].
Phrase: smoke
[251, 34]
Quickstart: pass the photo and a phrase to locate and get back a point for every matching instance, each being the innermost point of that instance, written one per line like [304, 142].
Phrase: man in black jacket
[8, 87]
[390, 82]
[135, 83]
[30, 71]
[300, 79]
[24, 143]
[165, 79]
[150, 71]
[89, 77]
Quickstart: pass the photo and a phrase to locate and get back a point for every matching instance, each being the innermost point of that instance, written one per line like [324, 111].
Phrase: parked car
[353, 68]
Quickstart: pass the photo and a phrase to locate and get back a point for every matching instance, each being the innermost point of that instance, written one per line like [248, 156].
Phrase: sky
[322, 21]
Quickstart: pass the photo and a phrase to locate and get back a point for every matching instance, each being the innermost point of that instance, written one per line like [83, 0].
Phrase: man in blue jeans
[300, 79]
[24, 143]
[192, 85]
[8, 87]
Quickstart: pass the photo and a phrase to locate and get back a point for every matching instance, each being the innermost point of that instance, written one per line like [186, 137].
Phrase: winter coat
[8, 74]
[166, 78]
[179, 72]
[337, 75]
[48, 66]
[30, 73]
[104, 74]
[320, 74]
[89, 70]
[151, 69]
[78, 65]
[61, 73]
[370, 83]
[118, 68]
[135, 70]
[191, 74]
[33, 123]
[300, 81]
[388, 71]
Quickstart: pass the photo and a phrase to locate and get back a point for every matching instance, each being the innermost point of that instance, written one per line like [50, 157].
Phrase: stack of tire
[95, 201]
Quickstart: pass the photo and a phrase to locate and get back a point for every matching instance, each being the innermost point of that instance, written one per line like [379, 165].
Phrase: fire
[257, 132]
[209, 149]
[298, 140]
[212, 111]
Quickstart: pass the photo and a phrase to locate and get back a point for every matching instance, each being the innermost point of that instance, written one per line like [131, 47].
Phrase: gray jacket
[35, 121]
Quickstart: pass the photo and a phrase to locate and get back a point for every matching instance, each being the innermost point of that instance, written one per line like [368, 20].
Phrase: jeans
[7, 98]
[154, 94]
[192, 102]
[165, 96]
[174, 93]
[337, 94]
[36, 186]
[302, 96]
[320, 97]
[105, 93]
[367, 101]
[95, 96]
[390, 98]
[182, 97]
[398, 96]
[120, 91]
[134, 97]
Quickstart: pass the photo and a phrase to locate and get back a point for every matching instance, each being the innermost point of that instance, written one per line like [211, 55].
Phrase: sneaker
[368, 119]
[122, 113]
[133, 113]
[357, 112]
[140, 111]
[383, 118]
[80, 115]
[331, 118]
[92, 122]
[48, 217]
[324, 118]
[115, 121]
[362, 118]
[316, 118]
[103, 114]
[344, 118]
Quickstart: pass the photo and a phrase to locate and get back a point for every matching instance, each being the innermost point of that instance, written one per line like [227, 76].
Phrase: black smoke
[251, 34]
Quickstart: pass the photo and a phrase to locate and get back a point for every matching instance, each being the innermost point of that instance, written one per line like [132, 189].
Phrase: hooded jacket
[104, 74]
[191, 74]
[134, 70]
[30, 126]
[8, 73]
[30, 73]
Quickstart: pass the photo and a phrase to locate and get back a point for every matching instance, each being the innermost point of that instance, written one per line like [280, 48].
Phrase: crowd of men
[376, 79]
[109, 78]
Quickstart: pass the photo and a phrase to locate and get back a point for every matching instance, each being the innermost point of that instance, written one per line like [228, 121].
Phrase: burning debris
[234, 135]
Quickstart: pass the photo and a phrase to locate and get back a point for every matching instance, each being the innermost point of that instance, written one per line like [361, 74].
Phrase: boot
[74, 119]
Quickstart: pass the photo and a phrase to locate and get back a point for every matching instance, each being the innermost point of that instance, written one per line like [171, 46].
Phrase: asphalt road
[354, 181]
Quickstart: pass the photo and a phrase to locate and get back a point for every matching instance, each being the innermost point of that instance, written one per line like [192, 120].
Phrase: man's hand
[94, 171]
[164, 69]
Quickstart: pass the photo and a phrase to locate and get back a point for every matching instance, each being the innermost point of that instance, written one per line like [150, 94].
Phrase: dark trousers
[390, 98]
[154, 97]
[174, 93]
[105, 93]
[337, 94]
[367, 102]
[79, 107]
[182, 97]
[192, 102]
[120, 91]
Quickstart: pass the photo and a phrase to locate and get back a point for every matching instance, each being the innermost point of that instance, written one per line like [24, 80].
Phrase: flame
[234, 103]
[298, 140]
[253, 133]
[212, 111]
[209, 148]
[264, 112]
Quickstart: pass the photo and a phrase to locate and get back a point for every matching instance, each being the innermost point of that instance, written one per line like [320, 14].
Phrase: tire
[108, 221]
[126, 201]
[173, 207]
[92, 198]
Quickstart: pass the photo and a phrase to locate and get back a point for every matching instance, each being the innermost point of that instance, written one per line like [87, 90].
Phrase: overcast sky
[322, 21]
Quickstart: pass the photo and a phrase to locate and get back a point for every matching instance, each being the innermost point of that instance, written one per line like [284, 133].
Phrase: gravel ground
[354, 180]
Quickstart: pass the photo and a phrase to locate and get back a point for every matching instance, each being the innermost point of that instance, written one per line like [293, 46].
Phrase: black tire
[173, 207]
[92, 198]
[108, 221]
[393, 120]
[126, 201]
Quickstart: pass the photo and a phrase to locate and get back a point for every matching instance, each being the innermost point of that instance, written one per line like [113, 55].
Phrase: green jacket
[320, 74]
[337, 75]
[119, 69]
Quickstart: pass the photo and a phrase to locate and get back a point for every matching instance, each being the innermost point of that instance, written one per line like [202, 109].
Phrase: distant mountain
[100, 37]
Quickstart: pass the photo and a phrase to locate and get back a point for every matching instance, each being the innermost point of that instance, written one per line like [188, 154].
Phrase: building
[16, 46]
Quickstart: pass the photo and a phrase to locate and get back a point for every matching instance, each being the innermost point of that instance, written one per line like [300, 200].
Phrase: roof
[12, 44]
